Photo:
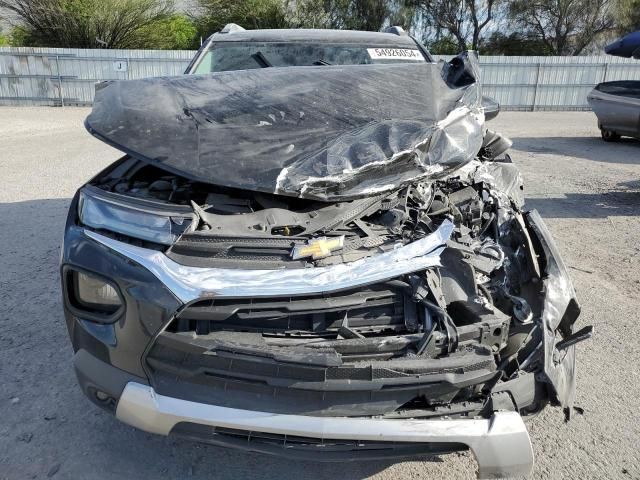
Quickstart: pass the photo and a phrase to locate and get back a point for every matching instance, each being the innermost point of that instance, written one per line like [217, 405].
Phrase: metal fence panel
[66, 76]
[550, 83]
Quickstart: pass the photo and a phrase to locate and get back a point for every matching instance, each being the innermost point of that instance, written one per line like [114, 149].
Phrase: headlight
[93, 294]
[134, 221]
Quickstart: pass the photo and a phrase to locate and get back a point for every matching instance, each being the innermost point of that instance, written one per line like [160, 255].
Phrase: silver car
[617, 106]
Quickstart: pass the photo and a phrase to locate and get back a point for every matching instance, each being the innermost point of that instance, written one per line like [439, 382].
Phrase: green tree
[176, 32]
[307, 14]
[565, 27]
[18, 36]
[358, 14]
[445, 45]
[370, 15]
[627, 16]
[211, 16]
[514, 43]
[4, 39]
[88, 23]
[463, 20]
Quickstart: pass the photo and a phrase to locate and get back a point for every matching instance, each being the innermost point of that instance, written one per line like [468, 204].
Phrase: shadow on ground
[588, 205]
[587, 148]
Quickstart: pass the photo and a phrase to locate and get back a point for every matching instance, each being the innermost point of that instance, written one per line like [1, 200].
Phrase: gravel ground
[588, 191]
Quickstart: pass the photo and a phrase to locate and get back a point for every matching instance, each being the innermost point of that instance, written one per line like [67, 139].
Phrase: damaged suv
[314, 247]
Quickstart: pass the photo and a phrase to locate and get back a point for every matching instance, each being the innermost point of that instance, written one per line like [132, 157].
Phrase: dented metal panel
[189, 283]
[325, 132]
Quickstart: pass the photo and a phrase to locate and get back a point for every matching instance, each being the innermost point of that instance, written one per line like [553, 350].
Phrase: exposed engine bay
[462, 338]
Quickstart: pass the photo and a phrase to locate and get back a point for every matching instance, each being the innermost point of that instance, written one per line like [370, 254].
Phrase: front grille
[348, 353]
[302, 381]
[311, 448]
[369, 310]
[198, 249]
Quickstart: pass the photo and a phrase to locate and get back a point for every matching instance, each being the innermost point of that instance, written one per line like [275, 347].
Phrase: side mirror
[491, 108]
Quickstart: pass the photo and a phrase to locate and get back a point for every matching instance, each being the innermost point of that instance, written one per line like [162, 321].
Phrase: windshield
[225, 56]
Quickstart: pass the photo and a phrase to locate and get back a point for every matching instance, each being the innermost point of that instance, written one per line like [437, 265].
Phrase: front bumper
[500, 444]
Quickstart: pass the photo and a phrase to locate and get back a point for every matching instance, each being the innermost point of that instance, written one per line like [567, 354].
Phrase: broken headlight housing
[141, 221]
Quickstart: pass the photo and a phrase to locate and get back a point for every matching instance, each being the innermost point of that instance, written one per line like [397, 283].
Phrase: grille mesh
[370, 310]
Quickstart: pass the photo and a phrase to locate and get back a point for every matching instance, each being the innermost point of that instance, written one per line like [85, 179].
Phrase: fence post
[604, 75]
[60, 94]
[535, 93]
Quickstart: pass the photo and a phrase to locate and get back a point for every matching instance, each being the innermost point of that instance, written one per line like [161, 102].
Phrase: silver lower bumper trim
[500, 444]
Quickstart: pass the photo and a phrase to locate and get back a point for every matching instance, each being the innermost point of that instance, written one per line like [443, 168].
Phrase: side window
[622, 88]
[205, 64]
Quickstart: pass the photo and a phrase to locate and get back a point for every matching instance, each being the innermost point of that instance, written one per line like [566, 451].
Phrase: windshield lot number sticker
[395, 54]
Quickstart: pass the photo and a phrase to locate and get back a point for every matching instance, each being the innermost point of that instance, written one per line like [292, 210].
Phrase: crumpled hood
[327, 132]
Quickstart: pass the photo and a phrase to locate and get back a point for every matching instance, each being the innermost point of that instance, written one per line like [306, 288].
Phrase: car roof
[315, 36]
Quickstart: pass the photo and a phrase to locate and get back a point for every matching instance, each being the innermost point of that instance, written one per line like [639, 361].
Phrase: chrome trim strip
[190, 283]
[500, 444]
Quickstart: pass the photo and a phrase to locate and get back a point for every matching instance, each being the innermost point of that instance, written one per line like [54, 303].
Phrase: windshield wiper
[261, 59]
[321, 62]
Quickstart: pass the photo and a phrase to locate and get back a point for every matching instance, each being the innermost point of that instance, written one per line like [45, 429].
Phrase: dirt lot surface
[588, 191]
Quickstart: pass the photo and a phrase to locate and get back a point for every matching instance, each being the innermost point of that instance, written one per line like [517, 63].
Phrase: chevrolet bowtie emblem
[318, 248]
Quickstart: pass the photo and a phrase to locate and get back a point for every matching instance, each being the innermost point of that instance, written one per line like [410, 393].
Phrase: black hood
[327, 132]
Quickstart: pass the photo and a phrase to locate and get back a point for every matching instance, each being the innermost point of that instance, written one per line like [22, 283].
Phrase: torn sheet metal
[329, 132]
[190, 283]
[560, 311]
[503, 178]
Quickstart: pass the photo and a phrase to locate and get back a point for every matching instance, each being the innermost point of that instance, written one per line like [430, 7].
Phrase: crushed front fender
[559, 313]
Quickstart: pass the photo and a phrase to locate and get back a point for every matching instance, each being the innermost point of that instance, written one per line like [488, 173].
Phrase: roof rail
[396, 30]
[231, 28]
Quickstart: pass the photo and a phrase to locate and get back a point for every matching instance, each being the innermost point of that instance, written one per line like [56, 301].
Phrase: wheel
[609, 135]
